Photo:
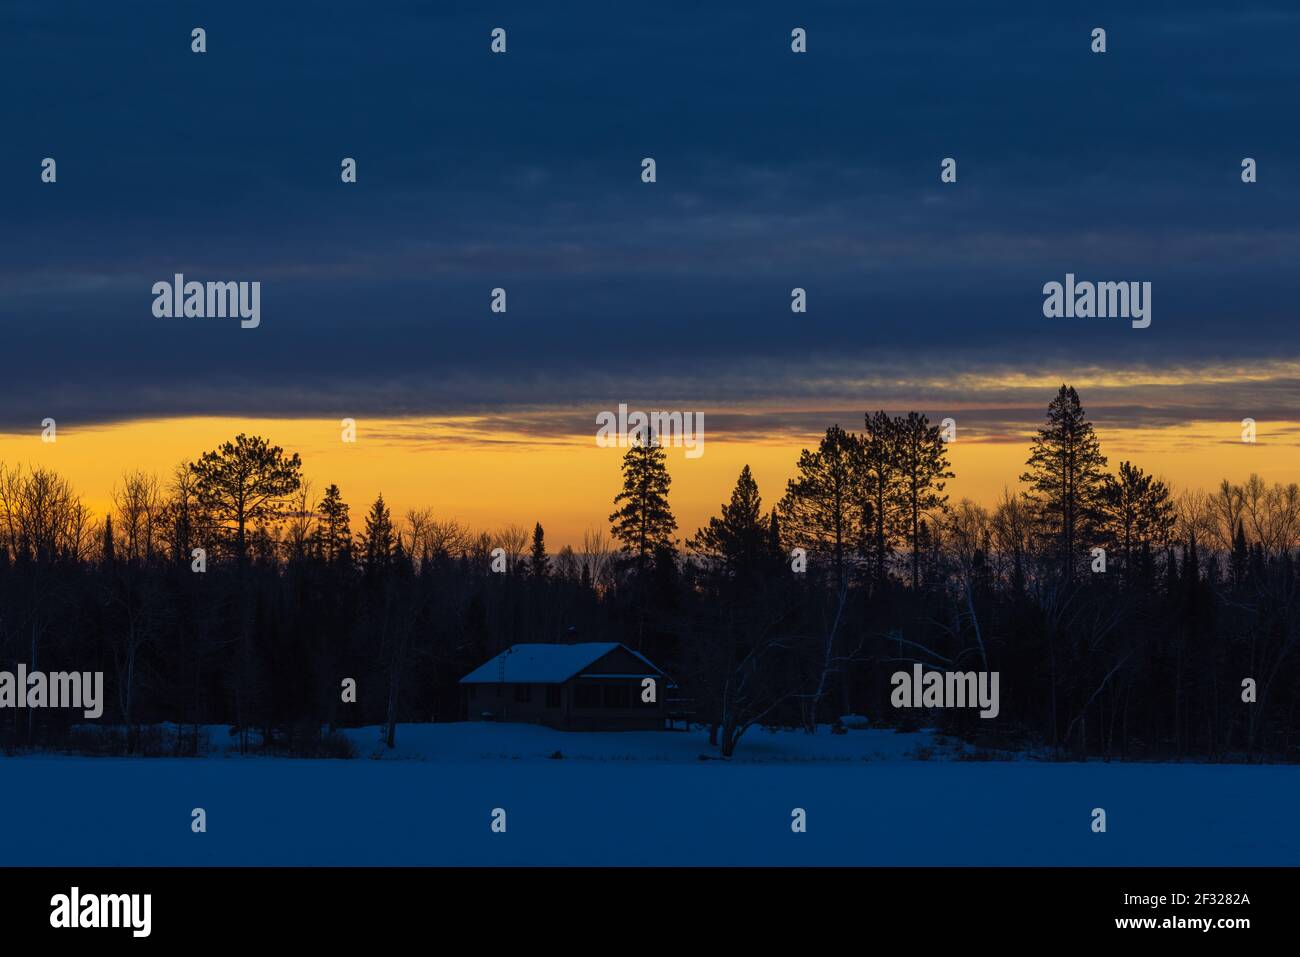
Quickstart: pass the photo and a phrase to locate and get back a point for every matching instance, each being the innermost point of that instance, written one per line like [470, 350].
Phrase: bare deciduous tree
[300, 521]
[138, 505]
[597, 551]
[513, 539]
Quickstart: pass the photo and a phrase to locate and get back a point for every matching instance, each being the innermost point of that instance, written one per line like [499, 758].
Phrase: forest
[1126, 620]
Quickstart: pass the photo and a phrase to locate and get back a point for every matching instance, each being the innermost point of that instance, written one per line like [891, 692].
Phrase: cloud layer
[522, 171]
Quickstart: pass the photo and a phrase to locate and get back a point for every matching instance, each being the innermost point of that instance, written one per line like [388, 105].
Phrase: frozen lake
[641, 799]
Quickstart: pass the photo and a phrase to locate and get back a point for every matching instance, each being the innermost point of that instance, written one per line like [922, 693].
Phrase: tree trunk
[390, 735]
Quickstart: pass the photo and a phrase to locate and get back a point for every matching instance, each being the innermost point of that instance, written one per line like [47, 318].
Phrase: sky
[523, 171]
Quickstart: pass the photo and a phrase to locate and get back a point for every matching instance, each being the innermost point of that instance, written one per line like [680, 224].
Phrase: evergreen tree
[922, 466]
[775, 546]
[736, 538]
[881, 480]
[401, 558]
[823, 510]
[1140, 511]
[1066, 479]
[107, 549]
[642, 520]
[1171, 573]
[1191, 566]
[1239, 563]
[334, 531]
[244, 483]
[377, 539]
[539, 564]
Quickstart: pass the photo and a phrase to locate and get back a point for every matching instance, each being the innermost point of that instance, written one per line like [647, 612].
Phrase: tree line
[1125, 621]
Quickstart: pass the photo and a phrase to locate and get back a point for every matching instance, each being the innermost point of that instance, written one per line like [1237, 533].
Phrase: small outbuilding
[593, 686]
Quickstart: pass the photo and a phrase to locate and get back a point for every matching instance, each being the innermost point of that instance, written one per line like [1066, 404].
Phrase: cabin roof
[548, 664]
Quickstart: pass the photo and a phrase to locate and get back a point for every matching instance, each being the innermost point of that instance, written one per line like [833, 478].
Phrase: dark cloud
[522, 171]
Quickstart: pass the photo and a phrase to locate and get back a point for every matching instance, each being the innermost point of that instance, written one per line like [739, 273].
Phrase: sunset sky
[522, 171]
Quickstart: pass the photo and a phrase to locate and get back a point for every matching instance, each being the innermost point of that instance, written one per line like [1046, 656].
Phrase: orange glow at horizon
[568, 483]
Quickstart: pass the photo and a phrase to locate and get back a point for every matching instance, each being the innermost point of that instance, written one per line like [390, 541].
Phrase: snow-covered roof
[546, 664]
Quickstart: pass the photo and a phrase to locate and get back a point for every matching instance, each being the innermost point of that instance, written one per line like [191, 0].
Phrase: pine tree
[1171, 574]
[642, 520]
[1140, 511]
[881, 481]
[775, 546]
[923, 466]
[736, 538]
[1066, 479]
[1239, 563]
[823, 510]
[245, 483]
[400, 560]
[377, 539]
[107, 549]
[334, 531]
[1191, 565]
[540, 563]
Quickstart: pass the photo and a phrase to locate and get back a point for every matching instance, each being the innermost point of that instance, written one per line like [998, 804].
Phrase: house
[593, 686]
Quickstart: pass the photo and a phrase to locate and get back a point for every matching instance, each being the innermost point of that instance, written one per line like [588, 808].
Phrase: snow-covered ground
[480, 740]
[641, 798]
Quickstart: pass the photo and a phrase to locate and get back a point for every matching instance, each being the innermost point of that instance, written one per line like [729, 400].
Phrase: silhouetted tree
[922, 458]
[107, 553]
[1066, 479]
[642, 520]
[245, 483]
[333, 531]
[539, 564]
[1140, 511]
[736, 538]
[377, 538]
[823, 510]
[881, 479]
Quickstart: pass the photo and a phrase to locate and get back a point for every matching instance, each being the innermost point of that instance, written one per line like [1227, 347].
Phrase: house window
[586, 696]
[552, 696]
[501, 690]
[523, 693]
[616, 696]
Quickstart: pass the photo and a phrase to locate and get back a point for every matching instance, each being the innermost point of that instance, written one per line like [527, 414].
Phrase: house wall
[638, 715]
[499, 702]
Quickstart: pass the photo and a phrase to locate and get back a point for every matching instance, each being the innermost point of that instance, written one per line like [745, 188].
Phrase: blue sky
[522, 171]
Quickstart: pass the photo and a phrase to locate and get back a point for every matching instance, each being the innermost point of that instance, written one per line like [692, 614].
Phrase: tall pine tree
[642, 520]
[922, 467]
[539, 564]
[377, 539]
[881, 482]
[244, 484]
[737, 538]
[823, 510]
[1067, 481]
[334, 531]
